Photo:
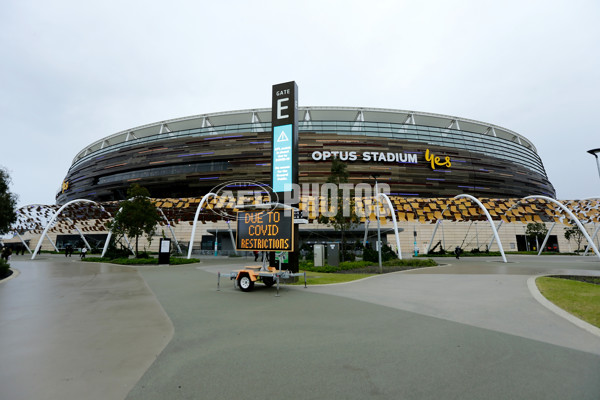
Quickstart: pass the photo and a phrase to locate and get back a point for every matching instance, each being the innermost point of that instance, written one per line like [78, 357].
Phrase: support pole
[546, 239]
[232, 238]
[438, 223]
[81, 235]
[493, 237]
[53, 244]
[24, 244]
[378, 228]
[106, 243]
[171, 230]
[593, 237]
[129, 245]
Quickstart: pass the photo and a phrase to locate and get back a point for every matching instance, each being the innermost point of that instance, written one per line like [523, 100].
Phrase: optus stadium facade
[417, 154]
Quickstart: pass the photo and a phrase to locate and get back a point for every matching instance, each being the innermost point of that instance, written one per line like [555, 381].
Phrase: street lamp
[378, 224]
[595, 152]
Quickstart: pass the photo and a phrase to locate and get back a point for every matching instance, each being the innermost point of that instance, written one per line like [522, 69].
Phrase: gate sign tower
[284, 121]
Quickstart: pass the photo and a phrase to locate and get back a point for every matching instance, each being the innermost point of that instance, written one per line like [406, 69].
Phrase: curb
[533, 289]
[15, 273]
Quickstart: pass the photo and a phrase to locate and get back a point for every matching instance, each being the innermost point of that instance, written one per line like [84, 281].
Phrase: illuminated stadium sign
[376, 156]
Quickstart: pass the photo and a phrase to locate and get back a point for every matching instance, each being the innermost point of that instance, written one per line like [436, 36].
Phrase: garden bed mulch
[6, 275]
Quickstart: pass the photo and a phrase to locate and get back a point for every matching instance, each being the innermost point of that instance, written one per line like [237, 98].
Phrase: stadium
[186, 157]
[472, 175]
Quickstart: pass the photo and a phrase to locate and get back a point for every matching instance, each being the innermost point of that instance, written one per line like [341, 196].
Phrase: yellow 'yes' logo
[436, 161]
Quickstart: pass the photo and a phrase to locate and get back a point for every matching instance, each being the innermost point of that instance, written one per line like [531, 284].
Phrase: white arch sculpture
[571, 215]
[487, 215]
[204, 199]
[105, 248]
[393, 212]
[593, 237]
[56, 214]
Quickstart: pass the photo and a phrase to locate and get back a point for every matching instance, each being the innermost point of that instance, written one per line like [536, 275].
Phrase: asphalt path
[469, 330]
[359, 343]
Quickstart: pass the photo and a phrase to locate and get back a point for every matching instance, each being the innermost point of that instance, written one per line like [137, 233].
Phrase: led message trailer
[265, 231]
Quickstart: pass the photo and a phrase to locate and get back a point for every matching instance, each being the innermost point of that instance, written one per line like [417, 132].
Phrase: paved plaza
[470, 329]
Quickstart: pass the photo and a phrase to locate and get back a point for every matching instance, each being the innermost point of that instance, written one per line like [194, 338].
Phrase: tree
[537, 231]
[8, 203]
[137, 216]
[575, 234]
[345, 217]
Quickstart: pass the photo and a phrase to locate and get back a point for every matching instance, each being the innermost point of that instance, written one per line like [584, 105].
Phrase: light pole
[378, 224]
[595, 152]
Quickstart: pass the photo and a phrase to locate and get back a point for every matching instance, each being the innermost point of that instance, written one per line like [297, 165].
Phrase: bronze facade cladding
[416, 154]
[191, 166]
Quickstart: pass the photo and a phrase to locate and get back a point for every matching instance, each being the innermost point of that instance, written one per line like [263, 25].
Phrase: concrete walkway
[466, 331]
[74, 330]
[481, 292]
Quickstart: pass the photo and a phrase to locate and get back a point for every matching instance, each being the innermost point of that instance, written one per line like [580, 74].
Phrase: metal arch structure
[204, 199]
[568, 212]
[21, 211]
[393, 212]
[571, 215]
[593, 237]
[56, 214]
[487, 215]
[109, 236]
[170, 229]
[127, 240]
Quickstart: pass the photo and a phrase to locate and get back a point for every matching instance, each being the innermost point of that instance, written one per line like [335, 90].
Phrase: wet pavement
[467, 330]
[74, 330]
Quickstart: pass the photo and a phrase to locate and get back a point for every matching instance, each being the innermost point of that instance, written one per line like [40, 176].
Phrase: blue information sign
[282, 158]
[284, 120]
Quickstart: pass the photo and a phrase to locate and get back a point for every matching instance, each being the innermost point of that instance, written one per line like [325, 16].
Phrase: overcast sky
[73, 72]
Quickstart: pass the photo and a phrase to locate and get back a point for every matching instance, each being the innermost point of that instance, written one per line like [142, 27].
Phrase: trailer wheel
[268, 281]
[245, 283]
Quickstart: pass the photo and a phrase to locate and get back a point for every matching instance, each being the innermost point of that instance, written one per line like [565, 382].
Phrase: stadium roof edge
[263, 115]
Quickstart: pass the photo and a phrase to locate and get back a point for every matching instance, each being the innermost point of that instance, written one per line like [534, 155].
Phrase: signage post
[164, 251]
[284, 157]
[284, 121]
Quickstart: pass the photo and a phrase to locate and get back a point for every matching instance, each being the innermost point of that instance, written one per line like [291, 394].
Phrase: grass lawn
[323, 278]
[581, 299]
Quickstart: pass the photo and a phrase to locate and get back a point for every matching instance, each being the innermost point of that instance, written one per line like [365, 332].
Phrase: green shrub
[143, 255]
[5, 271]
[413, 262]
[354, 264]
[141, 261]
[357, 265]
[113, 253]
[373, 255]
[180, 261]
